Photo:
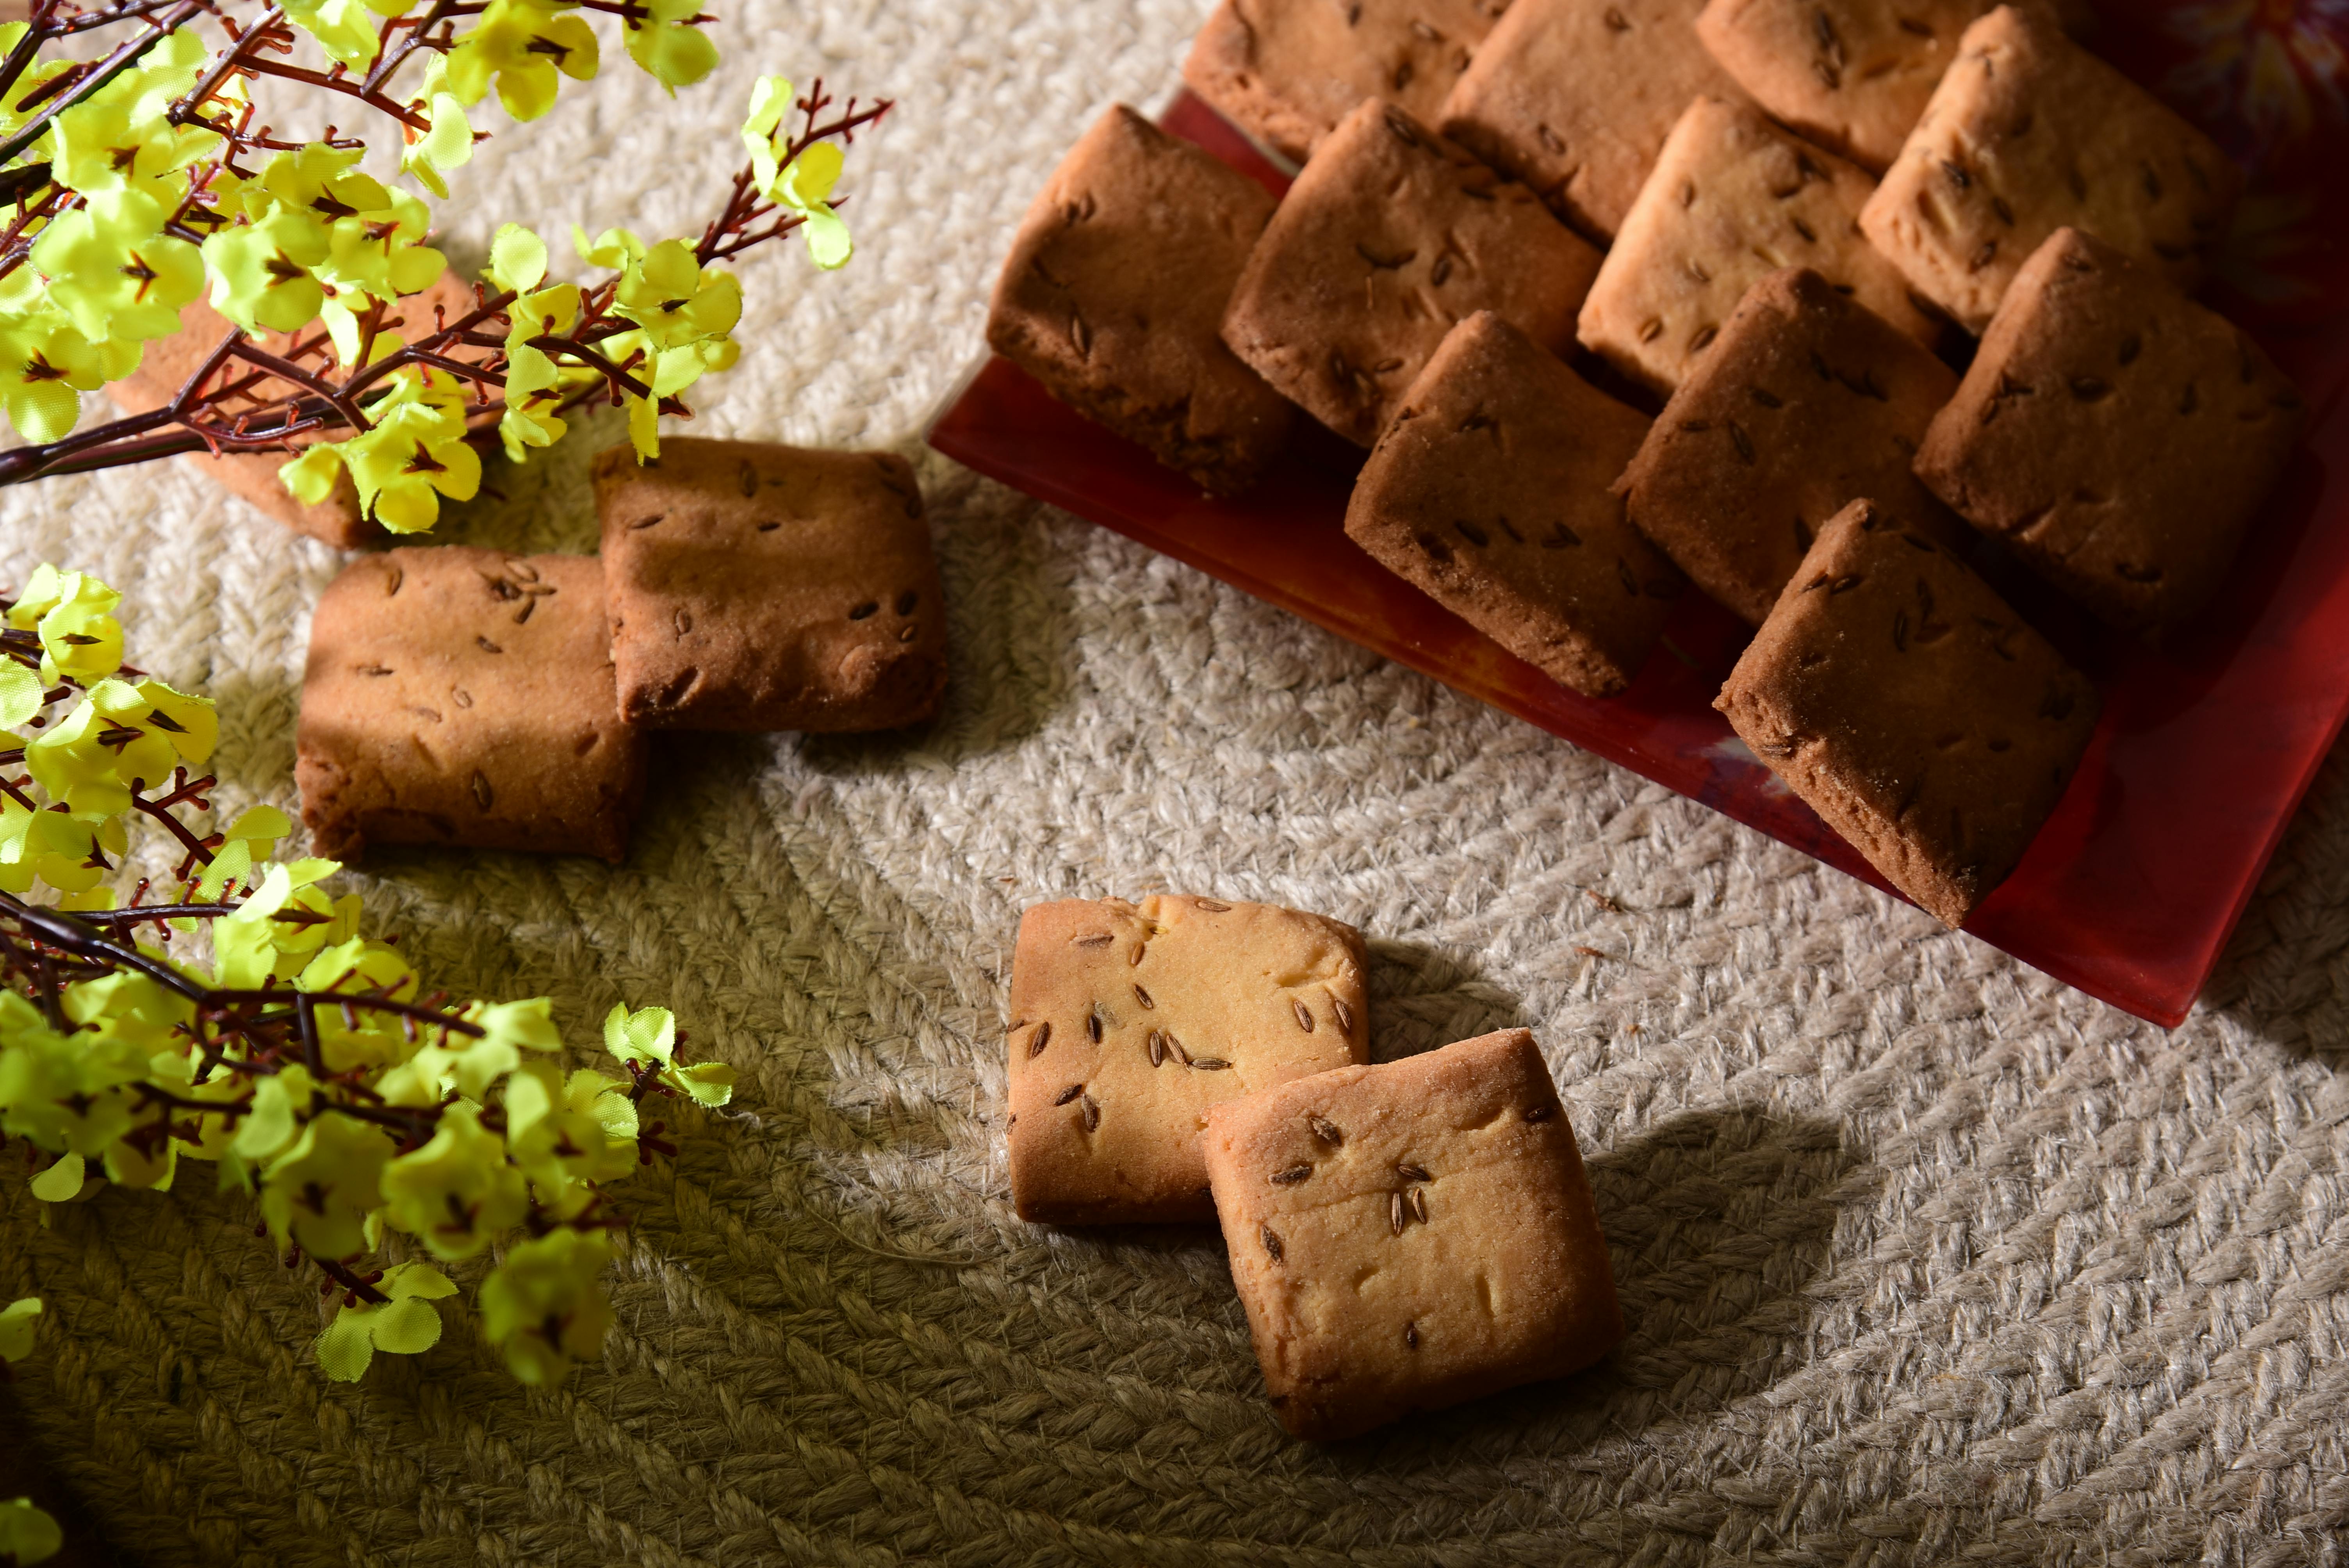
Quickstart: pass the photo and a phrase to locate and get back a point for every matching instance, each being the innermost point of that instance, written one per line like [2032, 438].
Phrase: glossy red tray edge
[2133, 887]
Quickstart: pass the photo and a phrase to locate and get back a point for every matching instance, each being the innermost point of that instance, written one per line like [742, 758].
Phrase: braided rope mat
[1926, 1257]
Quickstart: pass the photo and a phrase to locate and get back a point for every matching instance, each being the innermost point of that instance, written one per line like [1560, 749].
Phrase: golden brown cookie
[2117, 436]
[456, 696]
[1408, 1236]
[1733, 199]
[1128, 1021]
[763, 587]
[1806, 403]
[1390, 236]
[2028, 133]
[1909, 707]
[1490, 491]
[1114, 292]
[1575, 96]
[1287, 71]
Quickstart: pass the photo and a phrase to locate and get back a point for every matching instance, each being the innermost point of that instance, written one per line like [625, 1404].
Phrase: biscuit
[1287, 71]
[1489, 492]
[2027, 133]
[1899, 696]
[2117, 436]
[167, 362]
[1851, 75]
[1806, 403]
[1733, 199]
[456, 696]
[753, 586]
[1114, 292]
[1390, 236]
[1408, 1236]
[1129, 1021]
[1575, 97]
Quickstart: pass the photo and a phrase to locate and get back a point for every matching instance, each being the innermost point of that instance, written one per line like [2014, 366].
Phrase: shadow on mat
[1716, 1222]
[2285, 974]
[1011, 592]
[1423, 996]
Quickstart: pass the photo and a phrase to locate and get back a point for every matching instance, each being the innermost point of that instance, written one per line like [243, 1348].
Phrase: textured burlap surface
[1926, 1257]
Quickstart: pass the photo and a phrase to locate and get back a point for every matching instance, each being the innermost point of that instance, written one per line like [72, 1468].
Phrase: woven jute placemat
[1926, 1257]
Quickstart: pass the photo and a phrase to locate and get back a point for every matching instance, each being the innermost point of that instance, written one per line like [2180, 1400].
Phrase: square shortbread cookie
[1114, 292]
[755, 587]
[1899, 696]
[1851, 75]
[1287, 71]
[1806, 403]
[456, 696]
[1490, 493]
[1390, 236]
[1575, 96]
[1408, 1236]
[167, 362]
[1733, 199]
[1129, 1021]
[2117, 436]
[2027, 133]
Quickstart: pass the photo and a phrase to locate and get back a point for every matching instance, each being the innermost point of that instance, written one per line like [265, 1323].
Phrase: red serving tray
[2133, 887]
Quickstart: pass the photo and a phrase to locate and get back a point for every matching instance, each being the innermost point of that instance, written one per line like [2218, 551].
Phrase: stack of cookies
[457, 695]
[1403, 1237]
[1626, 296]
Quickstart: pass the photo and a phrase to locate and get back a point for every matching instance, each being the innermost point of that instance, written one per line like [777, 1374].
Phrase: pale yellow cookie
[1408, 1236]
[1128, 1021]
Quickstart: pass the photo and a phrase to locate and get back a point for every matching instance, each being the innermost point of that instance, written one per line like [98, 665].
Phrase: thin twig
[121, 59]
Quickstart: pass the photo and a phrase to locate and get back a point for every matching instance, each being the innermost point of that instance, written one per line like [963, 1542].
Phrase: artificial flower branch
[141, 182]
[304, 1063]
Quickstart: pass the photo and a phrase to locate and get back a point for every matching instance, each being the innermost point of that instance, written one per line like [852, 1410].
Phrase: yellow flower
[543, 1307]
[319, 1192]
[672, 51]
[44, 363]
[408, 462]
[521, 44]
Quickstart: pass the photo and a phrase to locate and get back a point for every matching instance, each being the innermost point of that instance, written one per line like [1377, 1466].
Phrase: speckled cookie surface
[1912, 708]
[2027, 133]
[1903, 1280]
[1408, 1236]
[763, 587]
[1113, 295]
[1575, 96]
[1390, 236]
[1806, 403]
[457, 695]
[1287, 71]
[1853, 75]
[1129, 1020]
[1733, 199]
[2117, 436]
[1491, 491]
